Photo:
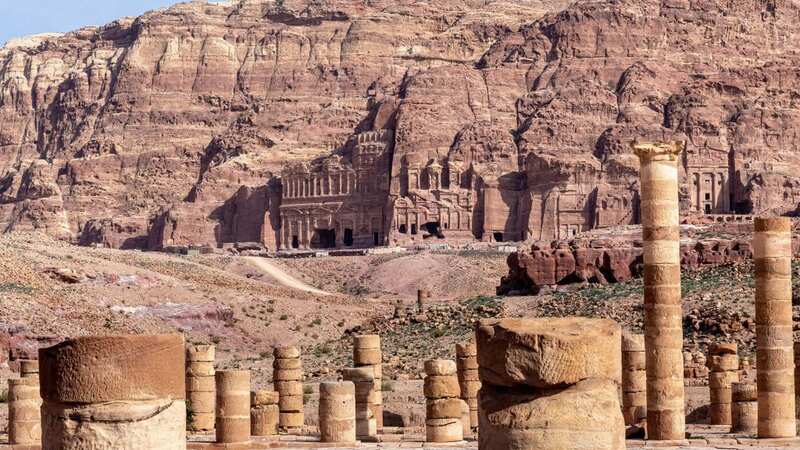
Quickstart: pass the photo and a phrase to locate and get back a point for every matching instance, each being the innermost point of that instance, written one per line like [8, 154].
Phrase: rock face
[603, 261]
[318, 124]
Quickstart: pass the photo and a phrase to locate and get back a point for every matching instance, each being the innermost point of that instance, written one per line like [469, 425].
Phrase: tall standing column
[662, 289]
[772, 254]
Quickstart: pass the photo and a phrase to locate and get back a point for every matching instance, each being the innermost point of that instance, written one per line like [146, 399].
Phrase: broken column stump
[367, 353]
[264, 413]
[24, 409]
[550, 384]
[663, 319]
[772, 256]
[287, 378]
[337, 412]
[200, 387]
[468, 378]
[744, 409]
[114, 392]
[723, 363]
[442, 402]
[233, 406]
[363, 379]
[634, 379]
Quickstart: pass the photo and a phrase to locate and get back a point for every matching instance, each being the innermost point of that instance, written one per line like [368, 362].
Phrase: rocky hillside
[173, 122]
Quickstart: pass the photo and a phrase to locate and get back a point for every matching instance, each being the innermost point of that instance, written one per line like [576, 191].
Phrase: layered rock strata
[264, 413]
[337, 412]
[114, 392]
[550, 384]
[772, 252]
[200, 387]
[442, 402]
[287, 379]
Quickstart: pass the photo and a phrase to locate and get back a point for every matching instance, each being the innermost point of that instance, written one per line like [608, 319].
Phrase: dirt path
[282, 277]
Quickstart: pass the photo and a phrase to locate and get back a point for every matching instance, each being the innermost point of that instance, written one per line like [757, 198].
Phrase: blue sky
[24, 17]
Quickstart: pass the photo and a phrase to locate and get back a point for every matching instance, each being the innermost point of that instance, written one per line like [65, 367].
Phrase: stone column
[287, 378]
[744, 412]
[200, 387]
[797, 378]
[264, 413]
[114, 392]
[24, 405]
[442, 402]
[367, 353]
[337, 412]
[28, 368]
[468, 378]
[363, 379]
[772, 255]
[233, 406]
[724, 365]
[634, 379]
[662, 289]
[466, 423]
[550, 384]
[422, 296]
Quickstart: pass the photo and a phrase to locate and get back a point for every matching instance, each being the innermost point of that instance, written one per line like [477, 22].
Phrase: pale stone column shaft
[233, 406]
[662, 289]
[24, 404]
[772, 254]
[337, 411]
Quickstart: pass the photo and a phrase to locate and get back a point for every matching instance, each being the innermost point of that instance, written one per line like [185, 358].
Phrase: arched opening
[498, 236]
[402, 228]
[295, 241]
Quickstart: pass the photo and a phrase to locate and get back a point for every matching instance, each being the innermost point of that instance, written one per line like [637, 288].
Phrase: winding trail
[282, 277]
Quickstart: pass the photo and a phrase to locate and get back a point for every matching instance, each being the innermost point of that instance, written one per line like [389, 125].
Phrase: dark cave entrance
[325, 238]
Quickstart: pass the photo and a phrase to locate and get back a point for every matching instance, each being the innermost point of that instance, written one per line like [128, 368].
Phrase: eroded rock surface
[508, 120]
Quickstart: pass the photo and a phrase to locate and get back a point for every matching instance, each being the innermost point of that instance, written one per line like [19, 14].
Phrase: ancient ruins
[544, 383]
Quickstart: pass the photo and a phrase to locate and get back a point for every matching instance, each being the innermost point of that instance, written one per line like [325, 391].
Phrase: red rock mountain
[321, 123]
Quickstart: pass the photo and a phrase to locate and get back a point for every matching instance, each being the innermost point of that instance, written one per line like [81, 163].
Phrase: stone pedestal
[287, 378]
[634, 379]
[744, 409]
[367, 354]
[233, 406]
[114, 392]
[723, 363]
[468, 378]
[363, 379]
[442, 402]
[337, 412]
[24, 410]
[662, 289]
[264, 413]
[772, 255]
[550, 384]
[200, 387]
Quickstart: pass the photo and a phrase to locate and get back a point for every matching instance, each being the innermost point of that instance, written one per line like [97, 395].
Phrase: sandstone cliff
[171, 128]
